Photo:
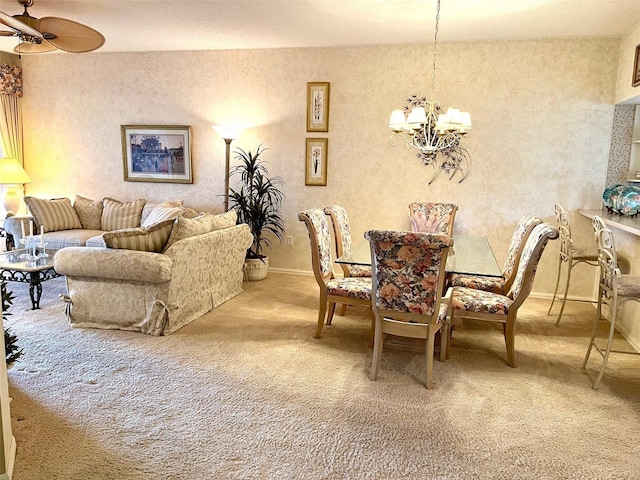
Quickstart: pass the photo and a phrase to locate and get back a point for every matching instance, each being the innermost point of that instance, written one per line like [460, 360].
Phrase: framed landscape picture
[318, 106]
[316, 162]
[157, 153]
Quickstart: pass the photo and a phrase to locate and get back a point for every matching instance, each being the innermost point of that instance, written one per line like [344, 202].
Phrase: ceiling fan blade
[5, 33]
[27, 48]
[18, 26]
[70, 36]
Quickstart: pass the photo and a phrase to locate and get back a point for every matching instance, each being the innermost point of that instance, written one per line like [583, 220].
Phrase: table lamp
[12, 179]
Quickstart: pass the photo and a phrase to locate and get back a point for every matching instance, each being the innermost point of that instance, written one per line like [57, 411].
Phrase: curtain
[11, 111]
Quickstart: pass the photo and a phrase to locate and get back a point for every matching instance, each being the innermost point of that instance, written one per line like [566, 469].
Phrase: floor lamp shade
[12, 179]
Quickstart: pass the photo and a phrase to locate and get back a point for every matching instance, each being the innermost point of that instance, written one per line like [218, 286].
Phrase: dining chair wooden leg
[509, 337]
[332, 309]
[378, 340]
[444, 343]
[322, 310]
[372, 327]
[428, 351]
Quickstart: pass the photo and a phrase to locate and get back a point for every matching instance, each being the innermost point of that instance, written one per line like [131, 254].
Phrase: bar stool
[614, 290]
[569, 256]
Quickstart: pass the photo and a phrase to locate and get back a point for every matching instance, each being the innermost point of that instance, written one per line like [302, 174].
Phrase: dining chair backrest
[408, 270]
[341, 233]
[318, 228]
[518, 239]
[341, 227]
[432, 217]
[529, 260]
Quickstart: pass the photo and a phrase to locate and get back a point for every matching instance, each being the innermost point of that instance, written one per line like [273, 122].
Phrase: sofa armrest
[118, 264]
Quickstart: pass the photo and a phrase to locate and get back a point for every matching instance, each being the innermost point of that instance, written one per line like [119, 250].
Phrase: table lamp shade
[12, 173]
[12, 177]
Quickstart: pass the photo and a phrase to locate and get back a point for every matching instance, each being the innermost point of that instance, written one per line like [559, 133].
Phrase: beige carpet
[246, 393]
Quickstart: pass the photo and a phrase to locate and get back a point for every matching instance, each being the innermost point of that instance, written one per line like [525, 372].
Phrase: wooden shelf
[628, 224]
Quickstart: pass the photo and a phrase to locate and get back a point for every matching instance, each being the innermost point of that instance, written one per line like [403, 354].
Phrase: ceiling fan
[47, 34]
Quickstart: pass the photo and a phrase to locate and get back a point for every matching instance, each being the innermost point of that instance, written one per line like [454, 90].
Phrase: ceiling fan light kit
[46, 34]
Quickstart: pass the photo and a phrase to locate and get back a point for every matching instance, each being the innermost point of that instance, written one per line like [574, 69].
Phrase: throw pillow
[150, 239]
[224, 220]
[54, 215]
[150, 206]
[89, 212]
[163, 211]
[205, 223]
[120, 215]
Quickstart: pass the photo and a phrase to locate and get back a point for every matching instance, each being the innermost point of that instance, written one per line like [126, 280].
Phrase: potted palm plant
[257, 200]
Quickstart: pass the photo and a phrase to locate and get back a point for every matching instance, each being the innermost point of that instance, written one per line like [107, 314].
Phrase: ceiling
[159, 25]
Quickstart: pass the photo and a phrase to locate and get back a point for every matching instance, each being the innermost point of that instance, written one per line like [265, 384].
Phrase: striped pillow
[150, 239]
[150, 206]
[53, 215]
[163, 211]
[118, 215]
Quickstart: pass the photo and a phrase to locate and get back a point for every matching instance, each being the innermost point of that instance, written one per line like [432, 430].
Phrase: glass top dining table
[470, 255]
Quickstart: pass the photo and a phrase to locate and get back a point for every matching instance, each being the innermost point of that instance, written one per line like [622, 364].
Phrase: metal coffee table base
[34, 279]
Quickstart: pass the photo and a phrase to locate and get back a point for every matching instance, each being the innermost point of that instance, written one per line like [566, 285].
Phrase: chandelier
[438, 135]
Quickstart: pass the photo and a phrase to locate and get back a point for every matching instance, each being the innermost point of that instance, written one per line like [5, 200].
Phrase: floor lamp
[12, 179]
[229, 134]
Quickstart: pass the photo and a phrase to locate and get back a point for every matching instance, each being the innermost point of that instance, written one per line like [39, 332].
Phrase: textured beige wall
[542, 113]
[625, 93]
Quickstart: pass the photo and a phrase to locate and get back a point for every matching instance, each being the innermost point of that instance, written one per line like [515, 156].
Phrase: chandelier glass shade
[437, 135]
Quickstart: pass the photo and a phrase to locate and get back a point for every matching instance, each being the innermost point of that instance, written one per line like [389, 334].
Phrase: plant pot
[256, 269]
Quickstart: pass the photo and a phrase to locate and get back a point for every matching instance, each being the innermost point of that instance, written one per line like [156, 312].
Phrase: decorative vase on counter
[622, 199]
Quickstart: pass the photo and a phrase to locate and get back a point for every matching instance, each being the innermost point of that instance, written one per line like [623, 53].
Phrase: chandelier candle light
[438, 136]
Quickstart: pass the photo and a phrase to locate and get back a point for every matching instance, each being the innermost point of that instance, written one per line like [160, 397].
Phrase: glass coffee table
[18, 266]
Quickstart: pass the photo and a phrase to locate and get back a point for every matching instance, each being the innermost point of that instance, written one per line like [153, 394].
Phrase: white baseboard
[306, 273]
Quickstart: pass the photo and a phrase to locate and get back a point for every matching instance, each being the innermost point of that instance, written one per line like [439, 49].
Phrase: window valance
[10, 80]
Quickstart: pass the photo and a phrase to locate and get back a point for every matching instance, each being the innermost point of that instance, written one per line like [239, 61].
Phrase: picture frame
[318, 96]
[316, 162]
[157, 153]
[636, 68]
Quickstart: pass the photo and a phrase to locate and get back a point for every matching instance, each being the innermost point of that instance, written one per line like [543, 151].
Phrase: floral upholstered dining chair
[408, 280]
[478, 304]
[500, 284]
[343, 240]
[347, 290]
[432, 217]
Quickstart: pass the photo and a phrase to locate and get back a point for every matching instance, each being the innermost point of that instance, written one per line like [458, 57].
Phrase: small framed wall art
[157, 153]
[318, 106]
[316, 162]
[636, 68]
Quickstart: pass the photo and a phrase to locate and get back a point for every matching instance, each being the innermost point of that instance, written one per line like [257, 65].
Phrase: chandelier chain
[435, 51]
